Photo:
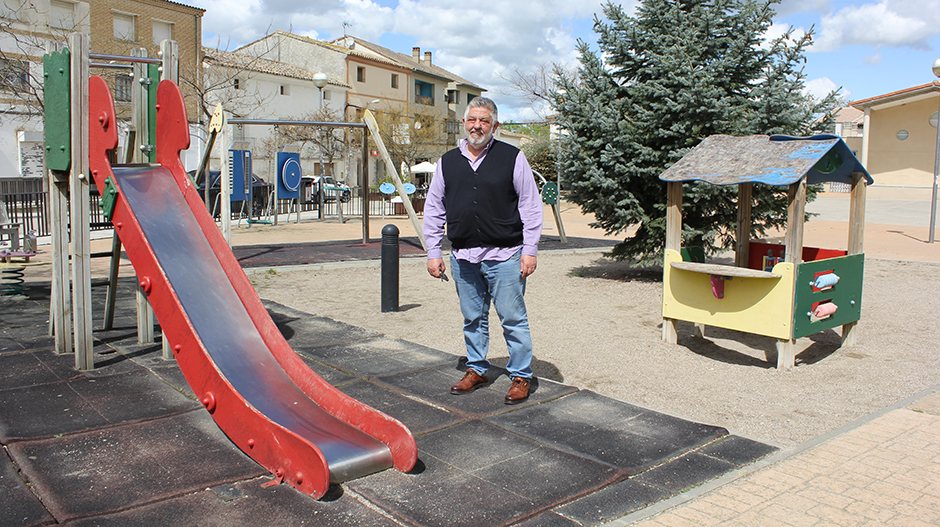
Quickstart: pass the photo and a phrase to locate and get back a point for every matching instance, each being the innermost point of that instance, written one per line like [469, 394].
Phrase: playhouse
[785, 291]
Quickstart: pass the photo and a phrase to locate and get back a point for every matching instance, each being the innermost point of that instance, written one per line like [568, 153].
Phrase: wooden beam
[674, 242]
[856, 241]
[742, 236]
[80, 214]
[796, 213]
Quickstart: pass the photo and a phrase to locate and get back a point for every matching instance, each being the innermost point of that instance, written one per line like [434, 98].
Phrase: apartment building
[251, 87]
[114, 27]
[120, 26]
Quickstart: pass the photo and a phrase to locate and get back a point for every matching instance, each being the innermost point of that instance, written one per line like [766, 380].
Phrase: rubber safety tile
[19, 506]
[618, 433]
[416, 415]
[611, 502]
[304, 331]
[380, 356]
[246, 503]
[112, 469]
[477, 474]
[86, 402]
[433, 385]
[19, 370]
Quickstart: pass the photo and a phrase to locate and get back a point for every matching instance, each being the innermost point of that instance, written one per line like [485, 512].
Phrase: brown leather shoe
[519, 391]
[471, 381]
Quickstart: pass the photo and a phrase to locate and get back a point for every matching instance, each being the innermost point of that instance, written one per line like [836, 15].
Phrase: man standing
[485, 192]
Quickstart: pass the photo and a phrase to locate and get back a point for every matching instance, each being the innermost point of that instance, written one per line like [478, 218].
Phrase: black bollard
[389, 268]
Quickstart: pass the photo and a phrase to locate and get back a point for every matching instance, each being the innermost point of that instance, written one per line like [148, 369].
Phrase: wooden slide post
[369, 119]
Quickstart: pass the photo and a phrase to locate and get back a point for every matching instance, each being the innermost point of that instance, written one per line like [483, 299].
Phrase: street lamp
[320, 80]
[936, 166]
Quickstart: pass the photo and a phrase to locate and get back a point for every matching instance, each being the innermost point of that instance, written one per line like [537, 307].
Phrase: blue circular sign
[409, 188]
[387, 188]
[290, 174]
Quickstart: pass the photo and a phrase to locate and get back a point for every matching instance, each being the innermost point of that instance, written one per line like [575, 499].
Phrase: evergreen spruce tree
[664, 80]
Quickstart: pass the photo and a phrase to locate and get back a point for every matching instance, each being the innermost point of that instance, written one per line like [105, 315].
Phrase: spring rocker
[781, 291]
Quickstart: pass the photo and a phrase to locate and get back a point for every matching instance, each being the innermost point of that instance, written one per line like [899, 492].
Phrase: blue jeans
[502, 283]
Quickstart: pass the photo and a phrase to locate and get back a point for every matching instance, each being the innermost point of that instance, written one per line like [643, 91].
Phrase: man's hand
[528, 265]
[436, 267]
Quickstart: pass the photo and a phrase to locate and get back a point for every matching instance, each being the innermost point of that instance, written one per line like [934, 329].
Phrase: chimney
[416, 54]
[427, 58]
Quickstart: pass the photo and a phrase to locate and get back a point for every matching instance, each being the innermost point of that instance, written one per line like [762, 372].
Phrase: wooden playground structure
[782, 291]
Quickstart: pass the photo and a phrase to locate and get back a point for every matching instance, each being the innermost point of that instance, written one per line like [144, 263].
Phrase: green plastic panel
[108, 199]
[57, 110]
[846, 294]
[153, 71]
[550, 193]
[693, 254]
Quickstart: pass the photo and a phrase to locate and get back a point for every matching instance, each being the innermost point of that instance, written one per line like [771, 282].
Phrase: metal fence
[28, 205]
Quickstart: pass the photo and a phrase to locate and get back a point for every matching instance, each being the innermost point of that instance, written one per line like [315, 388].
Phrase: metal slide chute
[259, 392]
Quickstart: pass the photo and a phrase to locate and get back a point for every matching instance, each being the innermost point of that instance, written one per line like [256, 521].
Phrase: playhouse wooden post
[856, 240]
[742, 240]
[796, 212]
[674, 242]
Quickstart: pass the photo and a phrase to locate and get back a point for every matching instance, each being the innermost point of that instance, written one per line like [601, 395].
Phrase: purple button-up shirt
[530, 210]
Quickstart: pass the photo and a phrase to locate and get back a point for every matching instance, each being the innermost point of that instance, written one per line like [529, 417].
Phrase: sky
[864, 48]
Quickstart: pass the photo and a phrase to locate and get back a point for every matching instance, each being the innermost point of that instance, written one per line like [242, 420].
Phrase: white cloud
[821, 87]
[888, 23]
[789, 7]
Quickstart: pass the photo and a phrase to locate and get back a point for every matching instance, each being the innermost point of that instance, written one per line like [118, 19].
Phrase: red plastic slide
[259, 392]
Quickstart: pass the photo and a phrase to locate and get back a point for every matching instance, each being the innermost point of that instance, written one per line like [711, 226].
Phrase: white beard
[482, 142]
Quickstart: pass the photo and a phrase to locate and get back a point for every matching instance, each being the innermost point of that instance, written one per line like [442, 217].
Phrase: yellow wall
[904, 163]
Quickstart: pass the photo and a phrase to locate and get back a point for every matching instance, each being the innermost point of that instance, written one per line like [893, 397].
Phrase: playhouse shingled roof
[773, 160]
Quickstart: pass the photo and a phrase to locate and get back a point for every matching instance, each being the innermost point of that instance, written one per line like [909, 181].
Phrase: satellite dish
[409, 188]
[386, 188]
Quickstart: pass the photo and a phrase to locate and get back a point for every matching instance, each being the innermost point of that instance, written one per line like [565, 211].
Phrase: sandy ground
[596, 324]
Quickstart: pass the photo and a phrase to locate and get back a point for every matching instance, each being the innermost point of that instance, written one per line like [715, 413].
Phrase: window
[326, 95]
[122, 87]
[236, 84]
[424, 93]
[61, 14]
[395, 81]
[470, 97]
[124, 26]
[14, 75]
[452, 96]
[285, 90]
[360, 73]
[162, 31]
[902, 135]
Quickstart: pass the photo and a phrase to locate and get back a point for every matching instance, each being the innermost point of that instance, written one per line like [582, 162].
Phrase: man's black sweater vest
[482, 205]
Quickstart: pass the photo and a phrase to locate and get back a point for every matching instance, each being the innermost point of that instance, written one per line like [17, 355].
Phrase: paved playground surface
[870, 454]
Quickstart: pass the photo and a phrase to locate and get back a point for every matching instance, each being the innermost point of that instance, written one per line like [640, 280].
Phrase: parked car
[326, 187]
[259, 192]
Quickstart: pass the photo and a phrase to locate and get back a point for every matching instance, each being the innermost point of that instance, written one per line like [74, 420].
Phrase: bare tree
[538, 85]
[329, 143]
[225, 78]
[25, 31]
[412, 133]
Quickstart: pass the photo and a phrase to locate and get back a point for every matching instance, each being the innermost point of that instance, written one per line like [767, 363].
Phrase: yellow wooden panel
[762, 306]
